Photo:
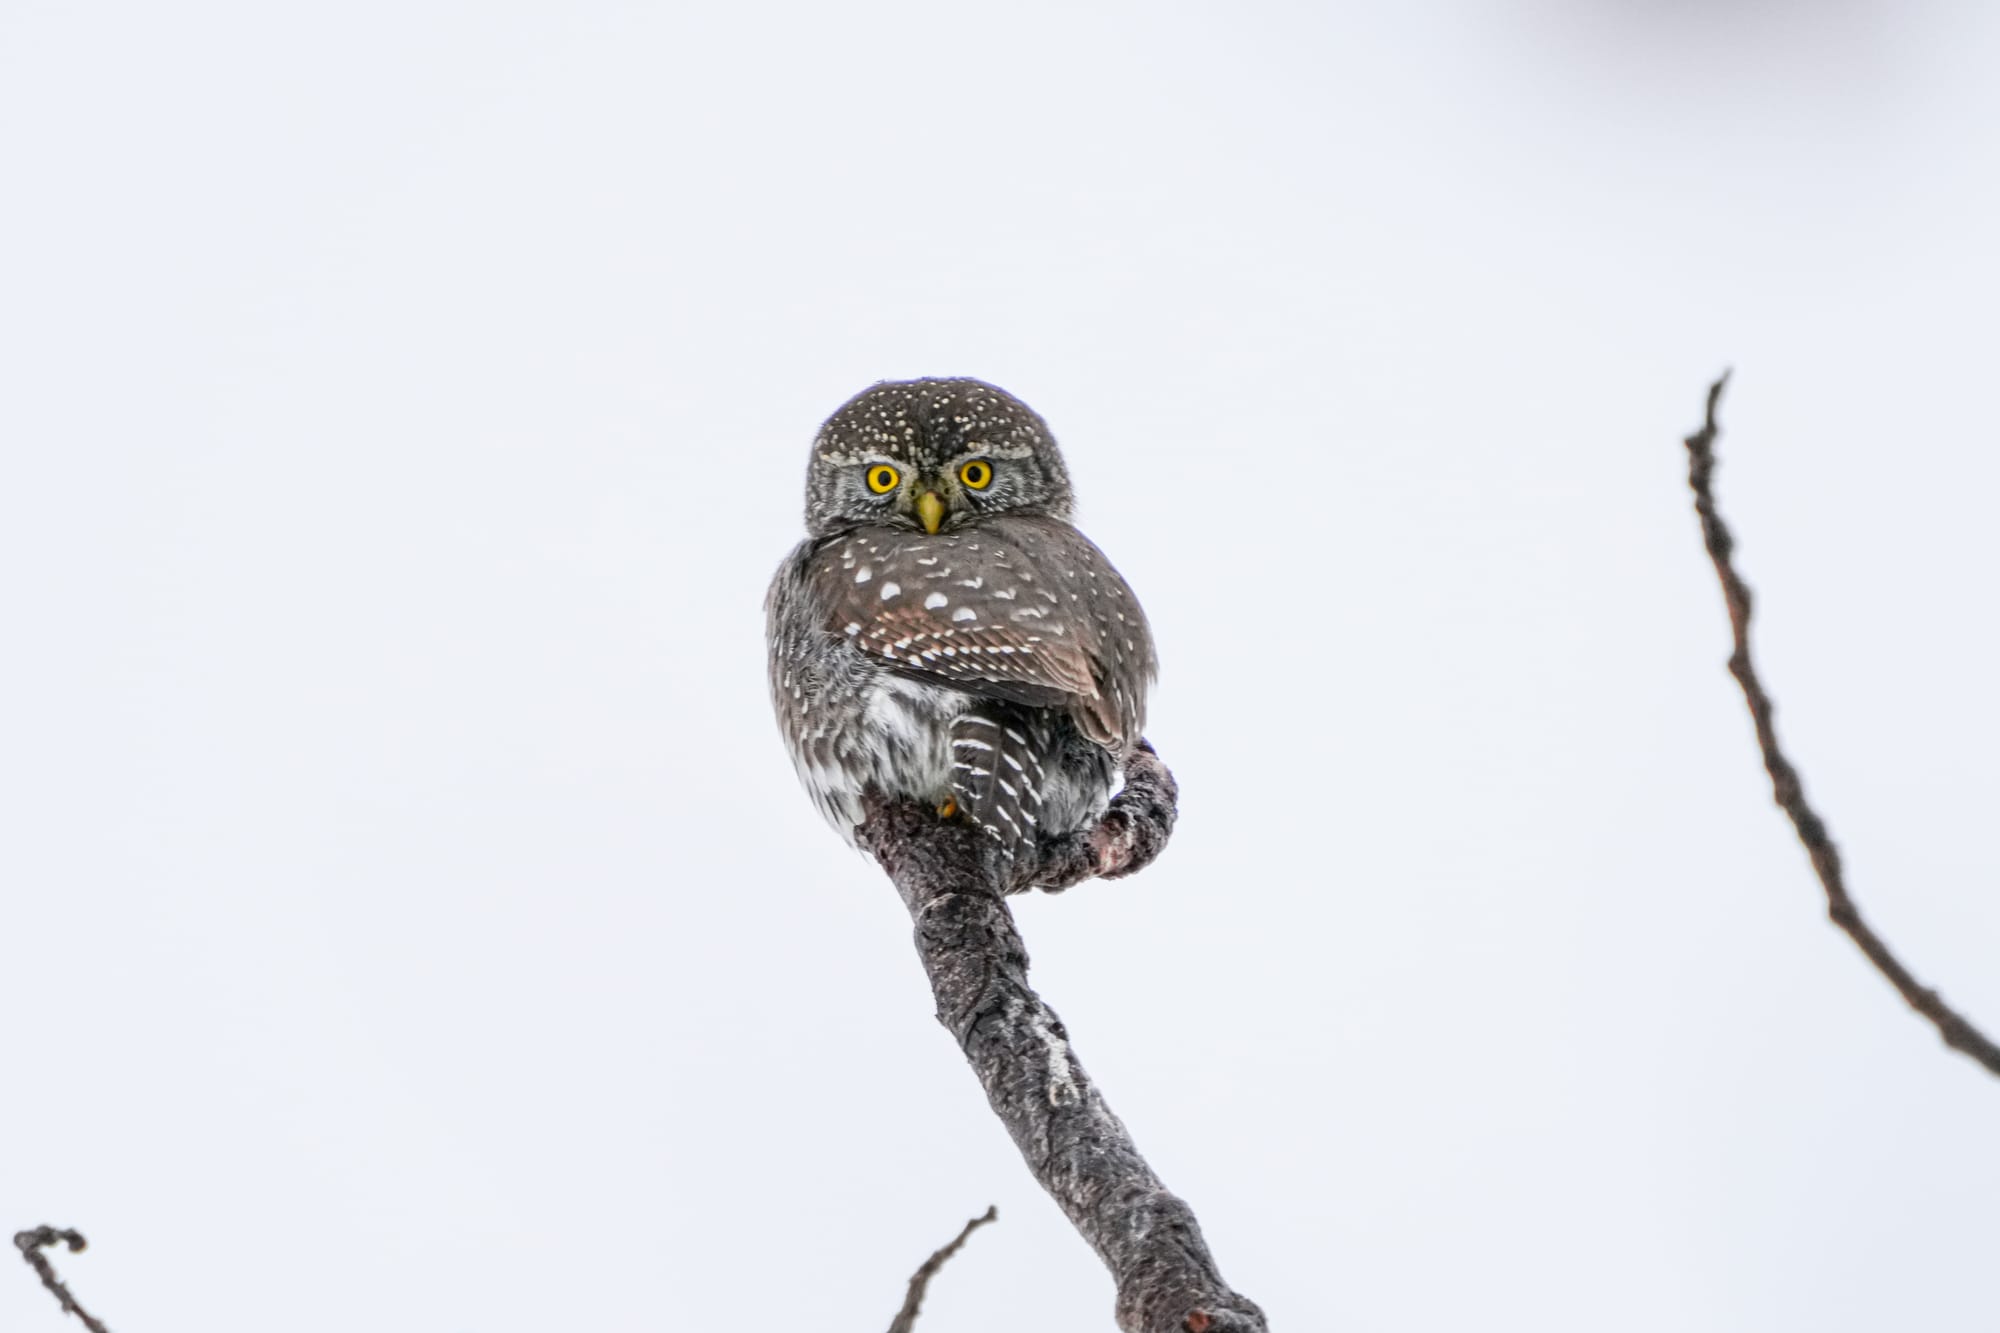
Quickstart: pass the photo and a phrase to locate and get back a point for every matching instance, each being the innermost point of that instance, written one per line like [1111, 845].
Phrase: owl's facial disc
[932, 455]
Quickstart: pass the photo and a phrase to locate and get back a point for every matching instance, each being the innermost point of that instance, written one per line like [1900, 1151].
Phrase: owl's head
[934, 456]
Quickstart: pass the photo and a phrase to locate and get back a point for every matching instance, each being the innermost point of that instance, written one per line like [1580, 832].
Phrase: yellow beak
[931, 510]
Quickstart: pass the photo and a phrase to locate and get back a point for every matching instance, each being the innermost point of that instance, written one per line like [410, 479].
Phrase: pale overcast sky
[412, 921]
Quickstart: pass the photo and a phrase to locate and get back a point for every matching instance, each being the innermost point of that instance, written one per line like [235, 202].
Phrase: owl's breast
[867, 727]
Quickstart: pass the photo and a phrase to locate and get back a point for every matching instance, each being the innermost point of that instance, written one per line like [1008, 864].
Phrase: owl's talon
[948, 808]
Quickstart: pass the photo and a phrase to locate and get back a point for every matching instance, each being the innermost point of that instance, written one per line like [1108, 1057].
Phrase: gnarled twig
[31, 1244]
[920, 1281]
[1958, 1033]
[952, 883]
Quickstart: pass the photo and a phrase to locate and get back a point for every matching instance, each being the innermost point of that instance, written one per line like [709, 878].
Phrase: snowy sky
[412, 921]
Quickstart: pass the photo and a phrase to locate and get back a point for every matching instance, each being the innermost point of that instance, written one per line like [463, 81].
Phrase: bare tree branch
[31, 1245]
[1958, 1033]
[952, 879]
[920, 1281]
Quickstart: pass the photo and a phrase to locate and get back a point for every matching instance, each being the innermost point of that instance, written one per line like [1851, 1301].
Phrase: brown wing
[1023, 609]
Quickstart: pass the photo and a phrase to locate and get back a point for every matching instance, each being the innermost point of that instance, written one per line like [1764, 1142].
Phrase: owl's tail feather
[997, 774]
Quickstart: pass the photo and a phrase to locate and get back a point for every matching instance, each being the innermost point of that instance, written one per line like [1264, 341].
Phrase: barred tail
[997, 773]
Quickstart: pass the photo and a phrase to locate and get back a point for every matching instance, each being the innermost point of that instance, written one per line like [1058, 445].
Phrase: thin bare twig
[920, 1281]
[1958, 1033]
[31, 1245]
[953, 884]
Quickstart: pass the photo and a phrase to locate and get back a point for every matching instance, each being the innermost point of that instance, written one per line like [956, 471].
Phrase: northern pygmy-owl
[943, 632]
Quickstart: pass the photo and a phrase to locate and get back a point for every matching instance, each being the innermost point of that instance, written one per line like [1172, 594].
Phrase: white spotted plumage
[945, 665]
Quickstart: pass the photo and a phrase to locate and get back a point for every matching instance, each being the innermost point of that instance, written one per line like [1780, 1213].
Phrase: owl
[943, 632]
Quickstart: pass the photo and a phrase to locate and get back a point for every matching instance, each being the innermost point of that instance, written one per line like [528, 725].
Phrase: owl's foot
[1125, 840]
[902, 831]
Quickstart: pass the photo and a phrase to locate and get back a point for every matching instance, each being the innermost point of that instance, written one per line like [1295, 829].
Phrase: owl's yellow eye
[976, 474]
[882, 478]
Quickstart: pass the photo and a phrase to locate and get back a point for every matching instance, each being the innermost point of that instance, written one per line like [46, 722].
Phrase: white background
[411, 920]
